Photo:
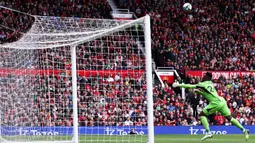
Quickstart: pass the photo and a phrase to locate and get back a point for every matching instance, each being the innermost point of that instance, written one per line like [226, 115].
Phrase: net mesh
[48, 32]
[36, 82]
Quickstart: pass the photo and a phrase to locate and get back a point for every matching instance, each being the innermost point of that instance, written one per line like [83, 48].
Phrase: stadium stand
[21, 23]
[212, 38]
[216, 37]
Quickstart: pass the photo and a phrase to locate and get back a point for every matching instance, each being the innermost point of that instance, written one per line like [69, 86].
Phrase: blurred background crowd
[216, 35]
[219, 36]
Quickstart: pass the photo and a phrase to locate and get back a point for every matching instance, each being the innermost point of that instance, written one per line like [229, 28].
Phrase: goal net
[77, 80]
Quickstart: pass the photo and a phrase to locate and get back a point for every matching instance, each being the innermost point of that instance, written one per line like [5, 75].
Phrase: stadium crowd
[116, 100]
[13, 24]
[216, 37]
[117, 53]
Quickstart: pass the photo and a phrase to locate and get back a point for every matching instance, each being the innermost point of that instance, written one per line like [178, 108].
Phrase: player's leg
[208, 110]
[226, 113]
[204, 121]
[237, 124]
[234, 122]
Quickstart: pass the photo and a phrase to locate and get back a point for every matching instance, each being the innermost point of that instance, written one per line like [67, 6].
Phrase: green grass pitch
[139, 139]
[169, 139]
[197, 139]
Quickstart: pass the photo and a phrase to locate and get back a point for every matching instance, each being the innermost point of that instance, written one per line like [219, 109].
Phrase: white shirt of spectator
[114, 66]
[117, 77]
[227, 123]
[242, 120]
[129, 64]
[128, 123]
[99, 115]
[241, 109]
[119, 59]
[194, 123]
[199, 109]
[127, 115]
[247, 110]
[131, 112]
[142, 114]
[234, 105]
[190, 111]
[110, 79]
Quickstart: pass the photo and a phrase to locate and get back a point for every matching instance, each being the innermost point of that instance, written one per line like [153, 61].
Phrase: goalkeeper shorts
[214, 106]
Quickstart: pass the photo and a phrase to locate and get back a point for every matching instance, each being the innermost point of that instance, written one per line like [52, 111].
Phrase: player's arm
[198, 91]
[187, 85]
[199, 85]
[176, 84]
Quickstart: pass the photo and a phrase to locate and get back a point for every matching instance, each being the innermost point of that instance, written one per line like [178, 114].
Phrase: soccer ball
[187, 7]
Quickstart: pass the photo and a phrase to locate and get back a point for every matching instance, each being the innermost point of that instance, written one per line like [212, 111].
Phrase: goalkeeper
[216, 103]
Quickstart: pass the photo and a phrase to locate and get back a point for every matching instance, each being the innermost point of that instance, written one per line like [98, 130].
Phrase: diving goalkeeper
[216, 103]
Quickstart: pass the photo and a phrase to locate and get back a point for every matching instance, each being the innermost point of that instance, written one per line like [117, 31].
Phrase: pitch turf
[143, 139]
[170, 139]
[196, 139]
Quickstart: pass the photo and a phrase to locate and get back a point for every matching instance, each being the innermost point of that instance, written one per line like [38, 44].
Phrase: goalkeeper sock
[205, 123]
[237, 124]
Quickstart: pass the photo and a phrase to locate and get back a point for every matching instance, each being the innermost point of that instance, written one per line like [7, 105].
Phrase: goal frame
[148, 58]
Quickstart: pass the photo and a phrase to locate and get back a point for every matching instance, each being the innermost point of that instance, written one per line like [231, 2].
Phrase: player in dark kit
[216, 104]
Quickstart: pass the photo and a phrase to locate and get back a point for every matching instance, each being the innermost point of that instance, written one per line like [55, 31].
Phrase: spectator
[133, 132]
[200, 107]
[220, 120]
[128, 122]
[197, 40]
[194, 102]
[171, 107]
[110, 79]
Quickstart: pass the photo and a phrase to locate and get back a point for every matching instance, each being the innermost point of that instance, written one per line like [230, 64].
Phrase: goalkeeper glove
[175, 84]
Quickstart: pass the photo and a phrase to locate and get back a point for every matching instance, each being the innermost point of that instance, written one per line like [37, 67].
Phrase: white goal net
[77, 80]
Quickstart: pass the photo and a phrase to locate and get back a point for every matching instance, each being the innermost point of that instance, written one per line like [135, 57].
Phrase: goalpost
[77, 80]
